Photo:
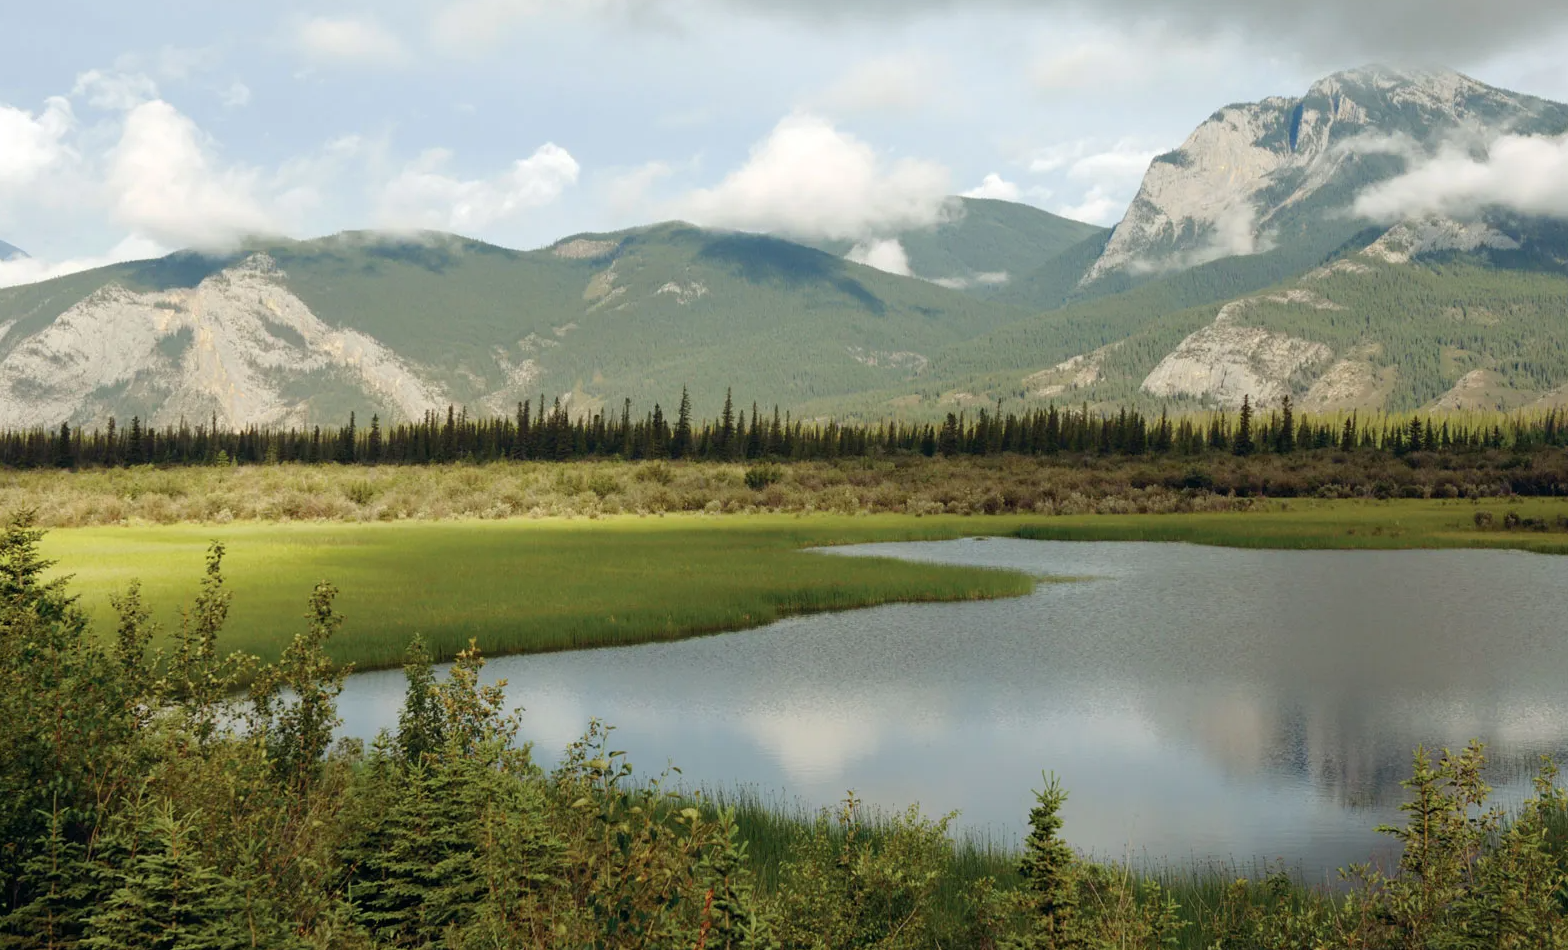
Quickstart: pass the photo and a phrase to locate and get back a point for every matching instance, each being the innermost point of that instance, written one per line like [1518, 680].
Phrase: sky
[130, 130]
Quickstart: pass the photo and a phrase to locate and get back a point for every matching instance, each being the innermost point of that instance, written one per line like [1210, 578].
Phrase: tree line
[535, 433]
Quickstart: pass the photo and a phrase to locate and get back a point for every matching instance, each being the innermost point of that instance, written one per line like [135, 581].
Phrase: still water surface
[1199, 703]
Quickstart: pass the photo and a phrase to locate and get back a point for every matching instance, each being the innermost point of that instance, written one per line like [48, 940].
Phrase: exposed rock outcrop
[1224, 363]
[228, 347]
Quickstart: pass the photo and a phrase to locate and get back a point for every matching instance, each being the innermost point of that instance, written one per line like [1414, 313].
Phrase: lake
[1200, 704]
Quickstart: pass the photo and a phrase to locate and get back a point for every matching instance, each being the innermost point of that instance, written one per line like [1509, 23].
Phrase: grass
[1326, 525]
[522, 586]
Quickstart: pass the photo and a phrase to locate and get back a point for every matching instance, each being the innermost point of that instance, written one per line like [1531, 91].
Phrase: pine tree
[1243, 444]
[1285, 441]
[170, 899]
[373, 441]
[1049, 872]
[681, 446]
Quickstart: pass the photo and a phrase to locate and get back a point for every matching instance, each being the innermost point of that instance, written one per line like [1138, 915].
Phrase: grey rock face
[1253, 167]
[229, 347]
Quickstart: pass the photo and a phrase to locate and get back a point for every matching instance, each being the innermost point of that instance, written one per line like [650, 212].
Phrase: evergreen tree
[170, 899]
[1243, 443]
[373, 441]
[1285, 440]
[1049, 872]
[681, 446]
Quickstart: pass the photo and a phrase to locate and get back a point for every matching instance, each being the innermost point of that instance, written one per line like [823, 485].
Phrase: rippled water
[1199, 703]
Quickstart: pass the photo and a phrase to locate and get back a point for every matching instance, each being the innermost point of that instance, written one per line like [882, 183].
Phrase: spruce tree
[1285, 441]
[1243, 444]
[681, 445]
[1049, 872]
[170, 899]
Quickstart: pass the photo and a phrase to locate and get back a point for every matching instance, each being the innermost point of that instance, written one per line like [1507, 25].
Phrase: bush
[759, 477]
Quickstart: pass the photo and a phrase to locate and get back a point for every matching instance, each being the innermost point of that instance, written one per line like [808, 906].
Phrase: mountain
[984, 244]
[296, 332]
[1241, 270]
[10, 252]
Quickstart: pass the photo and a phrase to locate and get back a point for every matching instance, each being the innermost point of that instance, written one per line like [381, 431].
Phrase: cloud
[1110, 175]
[349, 40]
[628, 191]
[809, 179]
[424, 196]
[236, 96]
[115, 90]
[983, 279]
[1520, 173]
[994, 186]
[32, 144]
[469, 26]
[904, 82]
[1096, 207]
[29, 270]
[1423, 29]
[885, 255]
[165, 184]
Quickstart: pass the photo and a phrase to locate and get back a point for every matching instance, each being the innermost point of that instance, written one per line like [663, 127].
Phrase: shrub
[759, 477]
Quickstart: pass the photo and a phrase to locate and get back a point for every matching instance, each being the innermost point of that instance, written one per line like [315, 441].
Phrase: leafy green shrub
[759, 477]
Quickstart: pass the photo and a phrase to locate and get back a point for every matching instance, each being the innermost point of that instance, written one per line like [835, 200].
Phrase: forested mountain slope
[984, 246]
[309, 331]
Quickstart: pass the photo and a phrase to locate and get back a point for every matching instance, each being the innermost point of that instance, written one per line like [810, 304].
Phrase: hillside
[307, 331]
[986, 245]
[1212, 287]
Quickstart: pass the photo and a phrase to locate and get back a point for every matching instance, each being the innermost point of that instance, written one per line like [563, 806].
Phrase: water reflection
[1199, 703]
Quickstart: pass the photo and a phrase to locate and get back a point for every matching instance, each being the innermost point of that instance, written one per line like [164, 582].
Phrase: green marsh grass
[522, 586]
[1326, 525]
[535, 585]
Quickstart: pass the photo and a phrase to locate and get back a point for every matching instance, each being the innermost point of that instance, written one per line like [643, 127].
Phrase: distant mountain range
[10, 252]
[1239, 270]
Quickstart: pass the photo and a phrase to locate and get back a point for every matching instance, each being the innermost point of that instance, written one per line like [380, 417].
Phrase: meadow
[531, 585]
[519, 586]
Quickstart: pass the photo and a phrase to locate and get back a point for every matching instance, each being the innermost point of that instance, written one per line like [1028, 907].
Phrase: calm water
[1199, 703]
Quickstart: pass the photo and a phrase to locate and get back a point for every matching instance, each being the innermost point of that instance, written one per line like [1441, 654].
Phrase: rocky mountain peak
[1253, 171]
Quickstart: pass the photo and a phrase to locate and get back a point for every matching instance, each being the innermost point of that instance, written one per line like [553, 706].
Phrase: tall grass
[521, 586]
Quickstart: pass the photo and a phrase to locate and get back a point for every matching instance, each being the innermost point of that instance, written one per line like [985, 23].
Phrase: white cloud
[236, 96]
[885, 255]
[29, 270]
[903, 82]
[1096, 207]
[995, 186]
[468, 26]
[349, 40]
[983, 279]
[811, 180]
[1520, 173]
[31, 144]
[1088, 160]
[628, 192]
[423, 196]
[164, 183]
[1110, 175]
[116, 91]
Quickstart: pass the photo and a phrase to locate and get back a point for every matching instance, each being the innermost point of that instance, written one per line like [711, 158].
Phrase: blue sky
[131, 129]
